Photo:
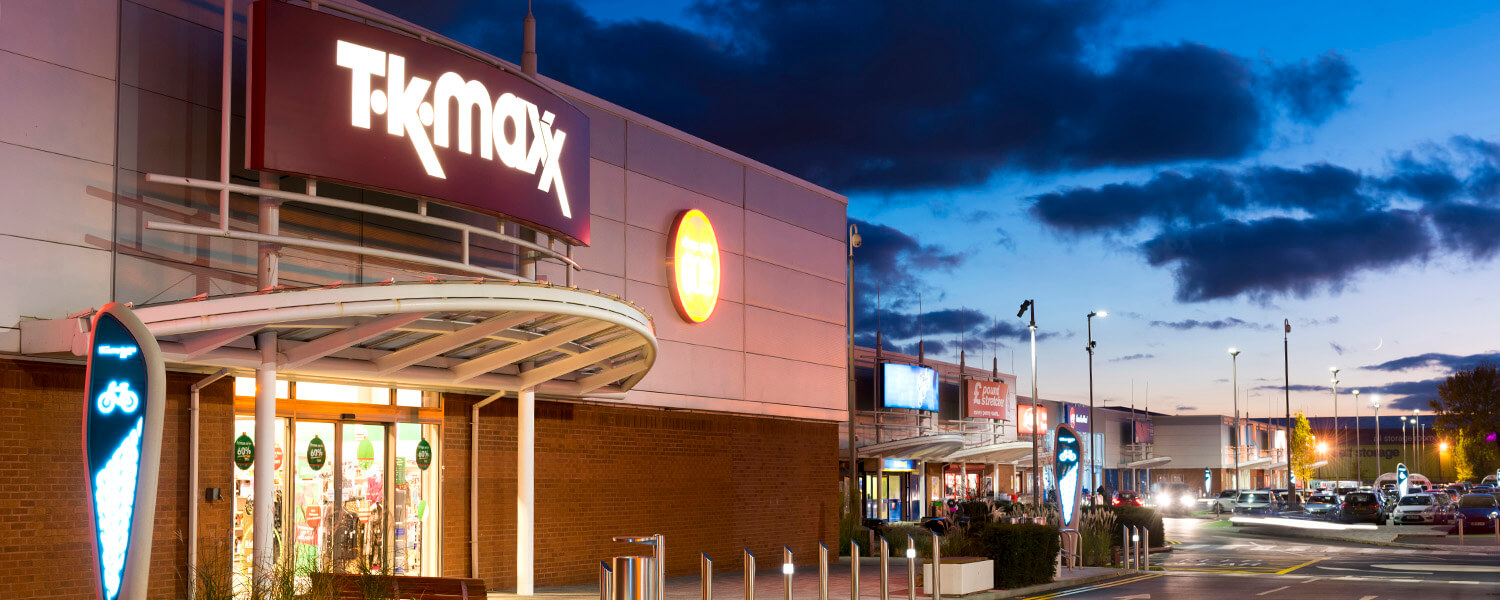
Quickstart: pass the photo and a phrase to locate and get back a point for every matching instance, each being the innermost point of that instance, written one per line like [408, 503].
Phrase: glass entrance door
[362, 535]
[314, 482]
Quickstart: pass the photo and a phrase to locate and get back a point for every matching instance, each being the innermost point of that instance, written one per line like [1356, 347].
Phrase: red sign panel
[1023, 419]
[987, 400]
[335, 99]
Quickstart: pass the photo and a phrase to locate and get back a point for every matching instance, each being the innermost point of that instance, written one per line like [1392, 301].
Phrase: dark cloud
[1003, 239]
[888, 262]
[1226, 323]
[1307, 322]
[1405, 395]
[1280, 255]
[1169, 197]
[1336, 348]
[1132, 357]
[1313, 90]
[1296, 387]
[1435, 360]
[1468, 228]
[1186, 408]
[906, 95]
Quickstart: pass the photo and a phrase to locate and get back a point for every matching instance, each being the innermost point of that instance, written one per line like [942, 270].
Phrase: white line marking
[1273, 591]
[1369, 598]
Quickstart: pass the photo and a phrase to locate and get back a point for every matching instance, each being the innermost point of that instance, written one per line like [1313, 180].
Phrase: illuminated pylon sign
[1069, 453]
[122, 448]
[694, 258]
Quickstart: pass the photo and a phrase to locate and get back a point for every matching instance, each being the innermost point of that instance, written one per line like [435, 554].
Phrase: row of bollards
[643, 578]
[1494, 523]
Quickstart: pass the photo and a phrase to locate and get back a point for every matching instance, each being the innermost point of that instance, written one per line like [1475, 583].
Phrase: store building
[1355, 448]
[612, 328]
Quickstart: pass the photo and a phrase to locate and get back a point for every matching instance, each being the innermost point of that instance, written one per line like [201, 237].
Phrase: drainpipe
[192, 551]
[474, 483]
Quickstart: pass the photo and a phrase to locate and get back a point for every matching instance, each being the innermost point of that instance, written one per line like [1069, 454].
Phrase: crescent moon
[1382, 343]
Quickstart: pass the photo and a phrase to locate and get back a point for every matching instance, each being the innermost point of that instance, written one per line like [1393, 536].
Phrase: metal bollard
[911, 568]
[606, 582]
[853, 570]
[661, 566]
[1125, 547]
[706, 587]
[749, 575]
[1496, 523]
[885, 569]
[822, 572]
[1144, 548]
[1135, 548]
[786, 570]
[937, 567]
[1461, 531]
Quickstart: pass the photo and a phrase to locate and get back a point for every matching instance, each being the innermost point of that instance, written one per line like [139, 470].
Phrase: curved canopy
[924, 446]
[1003, 452]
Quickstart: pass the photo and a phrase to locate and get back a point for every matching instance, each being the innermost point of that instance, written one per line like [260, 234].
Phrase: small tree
[1302, 449]
[1473, 459]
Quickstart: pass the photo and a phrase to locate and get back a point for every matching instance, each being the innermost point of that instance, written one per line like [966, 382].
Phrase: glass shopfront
[360, 492]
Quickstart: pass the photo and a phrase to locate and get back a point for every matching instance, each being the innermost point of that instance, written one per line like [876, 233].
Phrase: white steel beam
[197, 345]
[611, 375]
[338, 340]
[515, 352]
[563, 365]
[426, 349]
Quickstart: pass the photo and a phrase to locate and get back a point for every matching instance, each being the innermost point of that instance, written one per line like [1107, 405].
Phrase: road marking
[1369, 598]
[1289, 570]
[1449, 568]
[1094, 587]
[1272, 591]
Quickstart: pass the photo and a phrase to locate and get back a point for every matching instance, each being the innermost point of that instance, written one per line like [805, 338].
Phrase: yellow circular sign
[694, 259]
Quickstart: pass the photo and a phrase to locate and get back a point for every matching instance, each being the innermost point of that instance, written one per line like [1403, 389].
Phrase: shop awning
[1150, 463]
[927, 447]
[1004, 452]
[1026, 460]
[457, 336]
[1259, 463]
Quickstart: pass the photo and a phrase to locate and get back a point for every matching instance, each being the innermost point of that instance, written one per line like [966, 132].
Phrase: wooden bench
[348, 586]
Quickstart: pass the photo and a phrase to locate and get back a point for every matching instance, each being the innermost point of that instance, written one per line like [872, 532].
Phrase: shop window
[333, 392]
[245, 386]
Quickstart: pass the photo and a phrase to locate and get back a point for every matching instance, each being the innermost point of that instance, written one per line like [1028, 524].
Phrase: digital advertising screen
[909, 386]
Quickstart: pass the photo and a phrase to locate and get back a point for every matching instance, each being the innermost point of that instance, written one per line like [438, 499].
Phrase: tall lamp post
[1442, 449]
[1036, 406]
[1234, 358]
[1379, 469]
[1359, 472]
[1093, 452]
[1416, 439]
[854, 242]
[1286, 370]
[1403, 438]
[1336, 439]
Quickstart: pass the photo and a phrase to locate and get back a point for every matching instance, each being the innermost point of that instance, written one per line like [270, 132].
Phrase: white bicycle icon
[118, 394]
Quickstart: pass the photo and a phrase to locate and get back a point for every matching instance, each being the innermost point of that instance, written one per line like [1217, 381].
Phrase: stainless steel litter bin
[634, 578]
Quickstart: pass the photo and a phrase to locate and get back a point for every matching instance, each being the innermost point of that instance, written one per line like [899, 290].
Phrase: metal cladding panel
[379, 120]
[779, 334]
[655, 204]
[787, 201]
[779, 381]
[794, 247]
[696, 371]
[56, 109]
[791, 291]
[31, 29]
[684, 164]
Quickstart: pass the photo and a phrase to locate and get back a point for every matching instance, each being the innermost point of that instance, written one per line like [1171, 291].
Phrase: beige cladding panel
[606, 134]
[645, 256]
[54, 197]
[603, 253]
[696, 370]
[786, 201]
[56, 109]
[654, 204]
[782, 335]
[781, 381]
[724, 329]
[606, 190]
[793, 247]
[779, 288]
[590, 280]
[51, 281]
[663, 157]
[32, 29]
[169, 56]
[161, 134]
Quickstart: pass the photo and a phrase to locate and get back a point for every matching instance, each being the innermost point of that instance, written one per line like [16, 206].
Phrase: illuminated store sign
[1208, 481]
[899, 464]
[1069, 451]
[122, 424]
[1023, 419]
[335, 99]
[908, 386]
[987, 400]
[694, 261]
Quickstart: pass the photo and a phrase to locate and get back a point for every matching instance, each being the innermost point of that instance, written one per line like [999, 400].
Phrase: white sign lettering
[505, 124]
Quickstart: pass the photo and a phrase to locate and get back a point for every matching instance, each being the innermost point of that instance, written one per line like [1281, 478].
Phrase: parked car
[1361, 506]
[1322, 504]
[1224, 503]
[1127, 499]
[1422, 508]
[1478, 511]
[1256, 502]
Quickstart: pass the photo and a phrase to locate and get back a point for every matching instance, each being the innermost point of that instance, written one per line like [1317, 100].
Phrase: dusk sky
[1202, 170]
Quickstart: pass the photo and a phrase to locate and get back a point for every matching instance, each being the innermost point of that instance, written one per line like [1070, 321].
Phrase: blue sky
[953, 128]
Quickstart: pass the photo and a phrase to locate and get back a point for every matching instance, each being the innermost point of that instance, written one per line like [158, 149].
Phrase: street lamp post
[1359, 472]
[1286, 373]
[1336, 438]
[854, 242]
[1093, 452]
[1416, 439]
[1379, 470]
[1442, 448]
[1403, 438]
[1234, 359]
[1036, 434]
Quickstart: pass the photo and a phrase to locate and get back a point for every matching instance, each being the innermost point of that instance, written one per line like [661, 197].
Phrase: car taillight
[1114, 501]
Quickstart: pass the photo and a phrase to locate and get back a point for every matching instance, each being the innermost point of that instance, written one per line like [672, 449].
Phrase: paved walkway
[730, 585]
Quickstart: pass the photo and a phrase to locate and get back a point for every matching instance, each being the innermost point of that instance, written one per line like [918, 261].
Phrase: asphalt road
[1210, 560]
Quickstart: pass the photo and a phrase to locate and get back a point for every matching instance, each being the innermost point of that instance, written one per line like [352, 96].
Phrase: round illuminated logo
[694, 258]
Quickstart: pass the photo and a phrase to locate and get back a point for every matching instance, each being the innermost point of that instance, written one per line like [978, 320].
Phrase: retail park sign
[695, 266]
[335, 99]
[122, 425]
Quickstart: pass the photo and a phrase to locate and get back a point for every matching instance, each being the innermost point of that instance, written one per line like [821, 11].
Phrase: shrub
[1097, 532]
[1023, 554]
[1135, 516]
[978, 511]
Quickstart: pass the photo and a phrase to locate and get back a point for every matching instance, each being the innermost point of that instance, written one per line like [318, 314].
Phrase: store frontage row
[480, 343]
[932, 431]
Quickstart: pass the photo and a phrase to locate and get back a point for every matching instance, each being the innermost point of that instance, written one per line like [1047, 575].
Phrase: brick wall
[710, 483]
[44, 531]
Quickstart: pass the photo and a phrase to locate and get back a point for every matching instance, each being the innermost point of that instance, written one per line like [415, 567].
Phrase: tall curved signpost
[1069, 450]
[122, 422]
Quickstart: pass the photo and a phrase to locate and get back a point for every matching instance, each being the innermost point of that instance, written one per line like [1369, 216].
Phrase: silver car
[1322, 505]
[1224, 503]
[1258, 502]
[1421, 508]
